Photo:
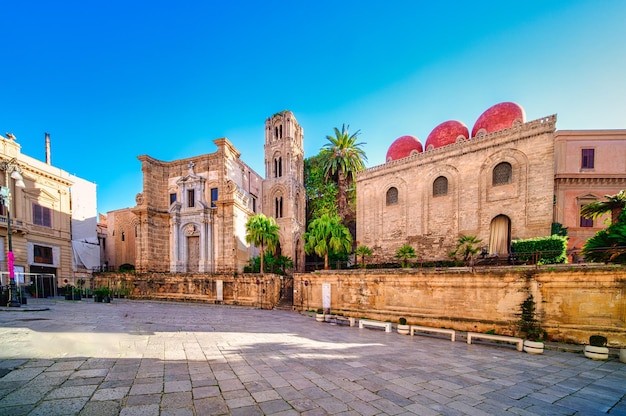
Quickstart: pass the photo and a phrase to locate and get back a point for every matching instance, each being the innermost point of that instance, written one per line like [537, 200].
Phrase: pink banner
[10, 259]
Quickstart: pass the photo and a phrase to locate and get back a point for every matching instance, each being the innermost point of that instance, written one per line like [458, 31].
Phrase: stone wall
[256, 290]
[572, 303]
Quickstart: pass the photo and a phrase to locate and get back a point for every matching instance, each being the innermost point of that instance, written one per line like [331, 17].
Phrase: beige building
[191, 215]
[589, 165]
[509, 179]
[52, 219]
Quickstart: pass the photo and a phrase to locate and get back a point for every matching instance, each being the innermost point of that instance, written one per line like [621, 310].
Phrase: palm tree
[363, 251]
[343, 157]
[615, 205]
[285, 263]
[466, 246]
[608, 245]
[405, 253]
[327, 234]
[262, 231]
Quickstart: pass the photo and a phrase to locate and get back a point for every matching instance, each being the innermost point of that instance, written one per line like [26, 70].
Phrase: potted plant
[319, 316]
[530, 327]
[72, 293]
[403, 327]
[102, 294]
[597, 349]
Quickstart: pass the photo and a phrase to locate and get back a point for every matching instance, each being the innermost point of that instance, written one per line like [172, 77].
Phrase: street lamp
[11, 167]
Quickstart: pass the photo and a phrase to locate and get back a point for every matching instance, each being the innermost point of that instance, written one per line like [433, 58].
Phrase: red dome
[403, 147]
[499, 117]
[446, 133]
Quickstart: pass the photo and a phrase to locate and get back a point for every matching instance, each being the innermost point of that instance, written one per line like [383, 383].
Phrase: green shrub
[402, 321]
[541, 250]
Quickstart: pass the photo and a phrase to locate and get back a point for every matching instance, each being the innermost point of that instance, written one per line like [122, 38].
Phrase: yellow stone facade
[397, 202]
[40, 217]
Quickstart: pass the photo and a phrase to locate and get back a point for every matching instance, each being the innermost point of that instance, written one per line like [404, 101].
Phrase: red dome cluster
[499, 117]
[447, 133]
[403, 147]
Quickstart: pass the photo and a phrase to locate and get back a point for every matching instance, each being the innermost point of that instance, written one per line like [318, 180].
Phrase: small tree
[284, 263]
[528, 323]
[405, 253]
[326, 234]
[363, 251]
[466, 247]
[262, 231]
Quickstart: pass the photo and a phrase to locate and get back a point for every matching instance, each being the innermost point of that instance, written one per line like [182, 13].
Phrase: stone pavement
[156, 358]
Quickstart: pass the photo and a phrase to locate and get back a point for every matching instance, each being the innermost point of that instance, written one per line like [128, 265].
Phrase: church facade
[191, 215]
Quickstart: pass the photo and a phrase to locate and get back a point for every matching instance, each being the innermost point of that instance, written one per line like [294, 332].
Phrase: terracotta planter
[596, 353]
[533, 347]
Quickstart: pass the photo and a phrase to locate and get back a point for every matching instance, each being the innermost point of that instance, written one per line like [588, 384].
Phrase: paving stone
[72, 391]
[285, 363]
[101, 408]
[59, 407]
[141, 410]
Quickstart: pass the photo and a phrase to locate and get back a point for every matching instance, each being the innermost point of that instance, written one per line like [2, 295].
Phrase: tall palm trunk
[615, 213]
[262, 259]
[342, 197]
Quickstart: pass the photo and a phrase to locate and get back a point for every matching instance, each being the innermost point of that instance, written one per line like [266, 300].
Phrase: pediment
[588, 197]
[38, 194]
[190, 179]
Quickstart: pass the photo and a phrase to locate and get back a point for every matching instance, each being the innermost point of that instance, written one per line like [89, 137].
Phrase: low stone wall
[572, 302]
[256, 290]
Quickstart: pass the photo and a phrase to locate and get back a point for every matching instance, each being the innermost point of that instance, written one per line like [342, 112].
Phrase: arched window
[502, 174]
[440, 186]
[278, 205]
[392, 196]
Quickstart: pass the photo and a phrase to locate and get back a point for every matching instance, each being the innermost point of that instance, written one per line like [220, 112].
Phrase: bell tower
[283, 187]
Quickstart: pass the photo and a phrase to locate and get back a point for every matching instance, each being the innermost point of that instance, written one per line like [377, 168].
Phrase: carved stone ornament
[190, 230]
[139, 199]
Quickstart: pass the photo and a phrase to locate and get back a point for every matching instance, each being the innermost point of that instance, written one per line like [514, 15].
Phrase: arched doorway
[500, 236]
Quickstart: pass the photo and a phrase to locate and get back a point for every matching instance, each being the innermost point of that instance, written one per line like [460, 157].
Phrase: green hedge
[541, 250]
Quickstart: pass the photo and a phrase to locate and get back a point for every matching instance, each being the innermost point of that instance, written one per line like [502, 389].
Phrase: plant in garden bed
[530, 327]
[403, 327]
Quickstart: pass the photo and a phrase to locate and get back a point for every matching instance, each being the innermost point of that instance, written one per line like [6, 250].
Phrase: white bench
[503, 338]
[350, 320]
[378, 324]
[415, 328]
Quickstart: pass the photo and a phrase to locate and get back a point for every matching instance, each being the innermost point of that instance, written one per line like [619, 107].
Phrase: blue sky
[113, 80]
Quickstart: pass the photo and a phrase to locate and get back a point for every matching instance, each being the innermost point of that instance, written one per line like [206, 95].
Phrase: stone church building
[509, 179]
[191, 215]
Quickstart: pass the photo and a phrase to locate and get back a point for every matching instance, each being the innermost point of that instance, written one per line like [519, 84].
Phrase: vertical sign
[326, 296]
[219, 289]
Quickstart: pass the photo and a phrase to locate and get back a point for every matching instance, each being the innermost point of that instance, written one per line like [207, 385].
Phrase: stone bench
[341, 319]
[378, 324]
[415, 328]
[503, 338]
